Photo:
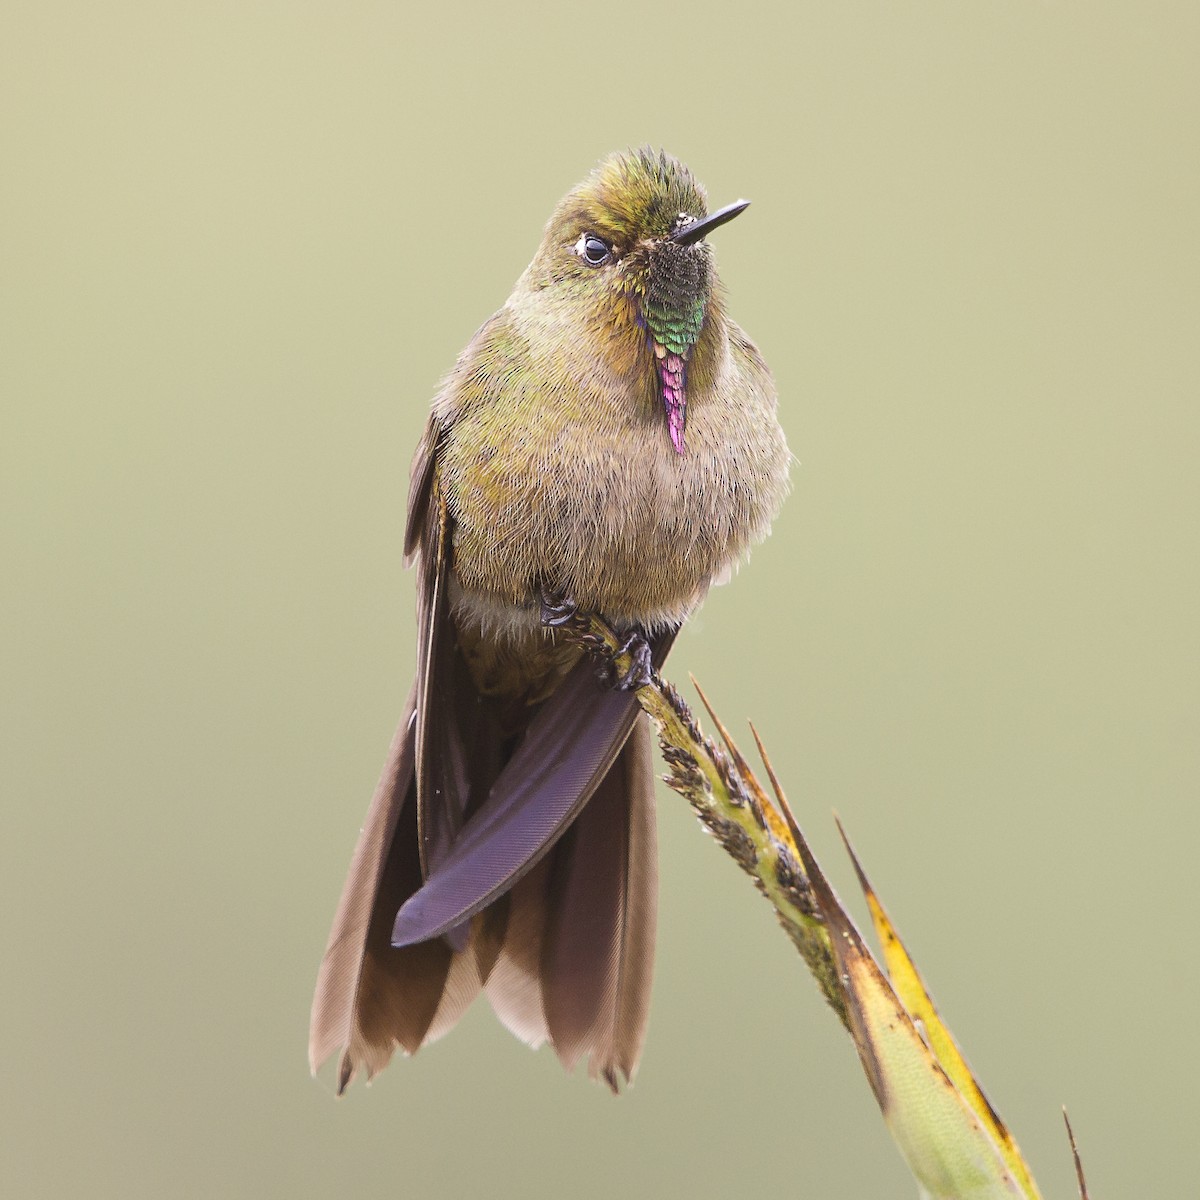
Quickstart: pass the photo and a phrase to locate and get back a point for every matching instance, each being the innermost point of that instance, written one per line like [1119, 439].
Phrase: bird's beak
[702, 228]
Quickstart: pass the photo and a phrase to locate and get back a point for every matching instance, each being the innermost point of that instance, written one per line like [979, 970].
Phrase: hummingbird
[607, 443]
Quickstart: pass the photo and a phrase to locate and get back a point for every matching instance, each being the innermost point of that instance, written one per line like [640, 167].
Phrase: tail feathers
[354, 972]
[578, 959]
[514, 987]
[566, 956]
[470, 967]
[371, 998]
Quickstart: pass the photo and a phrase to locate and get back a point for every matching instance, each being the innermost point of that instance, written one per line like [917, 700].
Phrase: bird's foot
[559, 611]
[640, 671]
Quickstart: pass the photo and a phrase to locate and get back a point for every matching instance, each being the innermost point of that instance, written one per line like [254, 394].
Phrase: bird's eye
[593, 250]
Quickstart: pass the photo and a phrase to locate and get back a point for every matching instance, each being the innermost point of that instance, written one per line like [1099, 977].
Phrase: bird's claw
[557, 610]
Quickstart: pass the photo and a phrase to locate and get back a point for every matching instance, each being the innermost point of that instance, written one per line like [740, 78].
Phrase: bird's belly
[638, 537]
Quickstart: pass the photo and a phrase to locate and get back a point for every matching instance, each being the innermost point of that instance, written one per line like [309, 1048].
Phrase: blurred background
[241, 242]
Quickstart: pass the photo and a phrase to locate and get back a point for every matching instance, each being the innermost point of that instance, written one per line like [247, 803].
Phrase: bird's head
[625, 252]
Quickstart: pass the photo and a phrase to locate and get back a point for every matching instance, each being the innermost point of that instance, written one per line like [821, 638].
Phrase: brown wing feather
[420, 485]
[569, 747]
[442, 767]
[564, 755]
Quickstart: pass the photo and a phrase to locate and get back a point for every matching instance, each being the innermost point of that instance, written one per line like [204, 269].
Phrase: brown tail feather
[370, 997]
[640, 922]
[344, 968]
[598, 951]
[567, 955]
[514, 987]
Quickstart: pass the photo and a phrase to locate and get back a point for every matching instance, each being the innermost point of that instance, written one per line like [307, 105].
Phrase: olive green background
[239, 243]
